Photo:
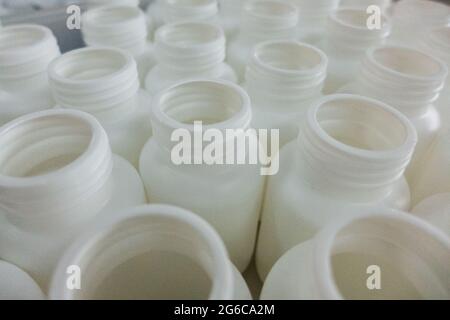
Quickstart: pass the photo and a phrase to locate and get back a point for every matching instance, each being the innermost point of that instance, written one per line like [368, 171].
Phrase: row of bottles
[362, 143]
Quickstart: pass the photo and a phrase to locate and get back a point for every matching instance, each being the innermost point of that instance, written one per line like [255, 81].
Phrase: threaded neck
[123, 27]
[269, 19]
[190, 47]
[405, 78]
[25, 53]
[101, 81]
[285, 71]
[52, 162]
[355, 143]
[103, 3]
[189, 10]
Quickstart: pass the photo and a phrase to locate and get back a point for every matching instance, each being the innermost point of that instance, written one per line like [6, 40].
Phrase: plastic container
[57, 173]
[104, 82]
[283, 78]
[411, 19]
[261, 21]
[228, 196]
[383, 4]
[15, 284]
[350, 156]
[346, 43]
[25, 53]
[150, 252]
[385, 255]
[435, 210]
[411, 82]
[186, 51]
[312, 19]
[101, 3]
[230, 14]
[122, 27]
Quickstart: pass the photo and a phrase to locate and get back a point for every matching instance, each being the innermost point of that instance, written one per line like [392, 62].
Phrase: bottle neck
[355, 145]
[123, 27]
[25, 53]
[100, 81]
[267, 20]
[190, 109]
[54, 168]
[348, 36]
[146, 238]
[189, 10]
[284, 73]
[405, 78]
[190, 48]
[314, 14]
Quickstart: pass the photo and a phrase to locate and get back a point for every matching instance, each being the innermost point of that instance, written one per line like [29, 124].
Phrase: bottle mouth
[355, 20]
[50, 156]
[149, 252]
[189, 10]
[26, 50]
[99, 3]
[96, 80]
[383, 244]
[114, 24]
[345, 132]
[407, 63]
[270, 14]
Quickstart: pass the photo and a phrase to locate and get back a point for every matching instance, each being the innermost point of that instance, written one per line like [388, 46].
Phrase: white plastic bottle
[313, 17]
[411, 82]
[261, 20]
[385, 254]
[150, 252]
[413, 18]
[346, 42]
[57, 173]
[188, 50]
[283, 78]
[15, 284]
[230, 14]
[435, 210]
[123, 27]
[104, 82]
[350, 155]
[25, 52]
[436, 42]
[227, 196]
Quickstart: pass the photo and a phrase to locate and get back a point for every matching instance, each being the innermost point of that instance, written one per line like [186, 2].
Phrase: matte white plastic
[57, 172]
[283, 79]
[227, 196]
[15, 284]
[262, 20]
[350, 155]
[25, 53]
[150, 252]
[100, 3]
[383, 4]
[412, 258]
[435, 210]
[346, 42]
[230, 15]
[122, 27]
[104, 82]
[409, 81]
[187, 51]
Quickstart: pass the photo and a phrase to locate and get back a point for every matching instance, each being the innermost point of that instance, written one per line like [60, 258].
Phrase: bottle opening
[186, 35]
[388, 257]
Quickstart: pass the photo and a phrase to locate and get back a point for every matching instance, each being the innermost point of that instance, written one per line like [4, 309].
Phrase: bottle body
[436, 210]
[104, 82]
[159, 252]
[308, 191]
[15, 284]
[216, 192]
[37, 221]
[26, 51]
[331, 268]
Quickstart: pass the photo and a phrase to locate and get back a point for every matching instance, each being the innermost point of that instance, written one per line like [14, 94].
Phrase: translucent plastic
[435, 210]
[15, 284]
